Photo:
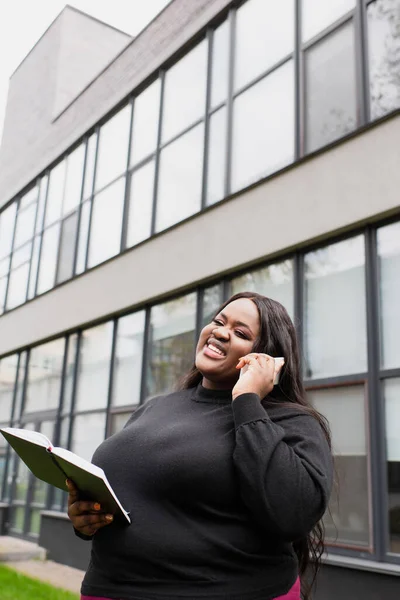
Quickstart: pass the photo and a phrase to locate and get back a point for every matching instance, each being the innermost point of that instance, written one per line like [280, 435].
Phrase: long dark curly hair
[278, 337]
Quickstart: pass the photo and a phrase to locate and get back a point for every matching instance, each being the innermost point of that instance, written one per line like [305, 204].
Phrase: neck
[216, 385]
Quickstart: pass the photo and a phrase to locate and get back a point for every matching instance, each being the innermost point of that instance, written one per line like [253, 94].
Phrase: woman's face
[229, 336]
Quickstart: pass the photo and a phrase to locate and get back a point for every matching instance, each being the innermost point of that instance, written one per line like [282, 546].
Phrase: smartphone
[279, 362]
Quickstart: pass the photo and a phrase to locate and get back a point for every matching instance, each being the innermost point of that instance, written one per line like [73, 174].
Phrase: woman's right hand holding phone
[86, 516]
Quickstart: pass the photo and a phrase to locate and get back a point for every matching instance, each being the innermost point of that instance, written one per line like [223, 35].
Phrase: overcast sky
[22, 22]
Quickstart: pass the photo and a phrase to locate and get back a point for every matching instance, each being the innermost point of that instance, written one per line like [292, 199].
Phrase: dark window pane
[212, 300]
[83, 237]
[48, 258]
[141, 204]
[74, 179]
[146, 112]
[67, 248]
[335, 310]
[216, 157]
[20, 387]
[317, 15]
[89, 166]
[185, 92]
[180, 179]
[171, 343]
[105, 233]
[112, 154]
[389, 271]
[41, 204]
[384, 56]
[128, 359]
[44, 376]
[34, 267]
[94, 367]
[263, 128]
[274, 281]
[392, 409]
[348, 521]
[331, 88]
[264, 35]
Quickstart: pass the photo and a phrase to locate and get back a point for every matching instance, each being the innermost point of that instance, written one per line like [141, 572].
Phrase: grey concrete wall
[353, 183]
[164, 36]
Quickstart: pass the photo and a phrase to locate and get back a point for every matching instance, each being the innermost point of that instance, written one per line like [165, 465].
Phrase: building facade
[230, 146]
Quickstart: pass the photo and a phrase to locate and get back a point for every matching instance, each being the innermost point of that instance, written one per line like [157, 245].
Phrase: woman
[225, 479]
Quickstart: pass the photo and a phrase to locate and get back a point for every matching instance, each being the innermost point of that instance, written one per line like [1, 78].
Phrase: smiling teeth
[217, 350]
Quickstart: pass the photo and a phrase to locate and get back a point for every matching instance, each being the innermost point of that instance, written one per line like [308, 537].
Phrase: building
[230, 146]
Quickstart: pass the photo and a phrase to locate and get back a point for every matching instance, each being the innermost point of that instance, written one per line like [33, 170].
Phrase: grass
[15, 586]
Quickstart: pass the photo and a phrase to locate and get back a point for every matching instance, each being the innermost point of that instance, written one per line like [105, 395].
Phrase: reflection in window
[87, 434]
[94, 367]
[34, 267]
[331, 88]
[389, 269]
[69, 374]
[274, 281]
[271, 39]
[73, 183]
[105, 232]
[20, 387]
[8, 374]
[348, 520]
[83, 237]
[55, 193]
[141, 204]
[180, 180]
[384, 56]
[26, 218]
[44, 376]
[18, 282]
[128, 359]
[263, 128]
[317, 15]
[89, 166]
[335, 312]
[212, 300]
[185, 92]
[48, 259]
[216, 157]
[7, 223]
[220, 65]
[118, 421]
[392, 410]
[146, 111]
[67, 248]
[41, 204]
[112, 155]
[171, 343]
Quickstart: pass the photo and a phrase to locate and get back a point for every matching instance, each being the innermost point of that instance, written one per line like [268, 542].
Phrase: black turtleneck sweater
[217, 491]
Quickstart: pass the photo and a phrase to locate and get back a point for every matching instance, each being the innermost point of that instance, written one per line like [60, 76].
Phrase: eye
[218, 322]
[242, 335]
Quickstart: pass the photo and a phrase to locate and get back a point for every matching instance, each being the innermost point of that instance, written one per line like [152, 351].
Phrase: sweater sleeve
[285, 470]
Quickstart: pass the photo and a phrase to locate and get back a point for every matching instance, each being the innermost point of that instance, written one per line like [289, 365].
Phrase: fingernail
[96, 506]
[109, 518]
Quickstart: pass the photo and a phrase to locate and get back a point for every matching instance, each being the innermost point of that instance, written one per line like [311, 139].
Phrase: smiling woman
[226, 478]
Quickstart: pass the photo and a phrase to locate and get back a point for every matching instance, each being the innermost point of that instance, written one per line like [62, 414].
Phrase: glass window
[48, 259]
[25, 222]
[112, 155]
[44, 376]
[335, 311]
[263, 128]
[146, 112]
[94, 367]
[67, 248]
[384, 50]
[317, 15]
[34, 267]
[264, 35]
[69, 374]
[3, 288]
[105, 231]
[74, 177]
[41, 204]
[20, 387]
[347, 521]
[389, 270]
[89, 166]
[171, 343]
[8, 374]
[128, 359]
[7, 223]
[274, 281]
[18, 285]
[185, 92]
[118, 421]
[220, 65]
[331, 88]
[216, 157]
[3, 460]
[87, 434]
[141, 204]
[180, 179]
[212, 300]
[392, 410]
[83, 236]
[55, 193]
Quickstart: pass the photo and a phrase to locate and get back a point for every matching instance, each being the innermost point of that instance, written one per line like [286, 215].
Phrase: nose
[221, 333]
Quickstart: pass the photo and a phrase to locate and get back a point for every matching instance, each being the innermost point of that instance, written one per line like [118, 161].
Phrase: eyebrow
[240, 323]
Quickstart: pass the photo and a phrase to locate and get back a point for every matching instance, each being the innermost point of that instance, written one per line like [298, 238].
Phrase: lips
[214, 349]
